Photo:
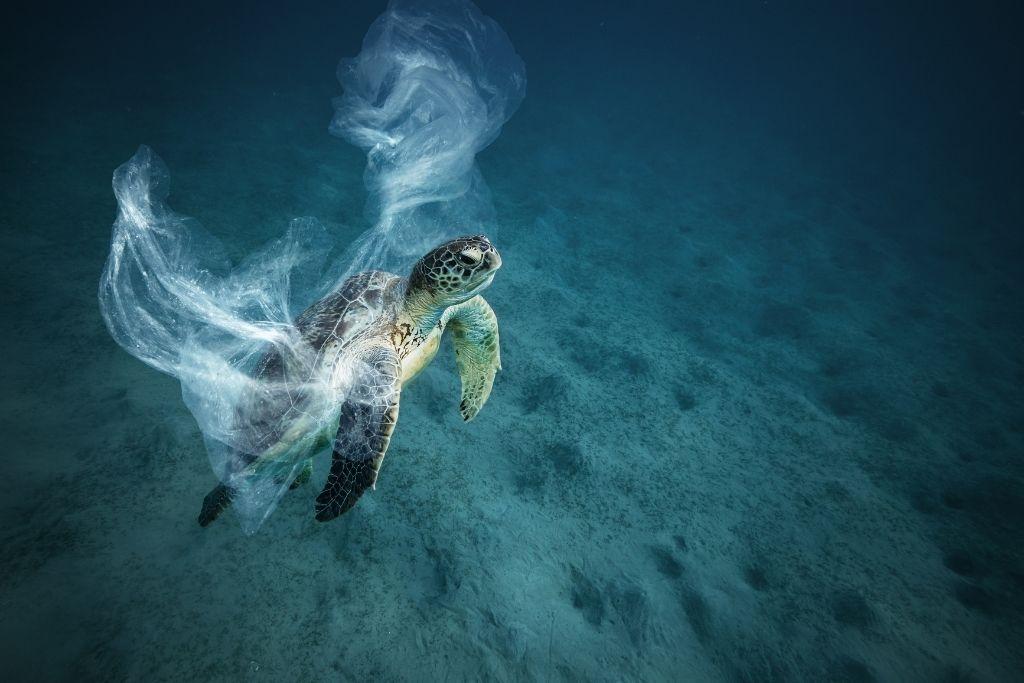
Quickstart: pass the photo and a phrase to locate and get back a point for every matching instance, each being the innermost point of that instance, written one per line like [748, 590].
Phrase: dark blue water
[760, 416]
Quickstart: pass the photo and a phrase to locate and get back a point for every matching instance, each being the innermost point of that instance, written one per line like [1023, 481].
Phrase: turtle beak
[493, 259]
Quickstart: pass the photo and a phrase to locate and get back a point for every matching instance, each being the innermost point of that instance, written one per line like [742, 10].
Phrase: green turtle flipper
[220, 498]
[368, 418]
[475, 334]
[217, 501]
[303, 476]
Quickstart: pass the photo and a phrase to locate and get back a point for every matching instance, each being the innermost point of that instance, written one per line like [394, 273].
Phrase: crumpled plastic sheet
[431, 87]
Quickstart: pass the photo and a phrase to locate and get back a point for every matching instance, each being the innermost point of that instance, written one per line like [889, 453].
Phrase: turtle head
[455, 271]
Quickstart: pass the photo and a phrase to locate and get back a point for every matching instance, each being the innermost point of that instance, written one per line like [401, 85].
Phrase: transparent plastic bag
[431, 87]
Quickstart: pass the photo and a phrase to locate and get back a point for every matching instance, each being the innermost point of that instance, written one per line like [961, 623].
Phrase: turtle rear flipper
[217, 501]
[303, 476]
[220, 498]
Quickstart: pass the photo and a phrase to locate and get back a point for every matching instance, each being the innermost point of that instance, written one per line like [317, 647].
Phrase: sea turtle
[387, 349]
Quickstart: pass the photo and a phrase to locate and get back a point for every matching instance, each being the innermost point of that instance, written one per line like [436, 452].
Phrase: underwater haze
[760, 416]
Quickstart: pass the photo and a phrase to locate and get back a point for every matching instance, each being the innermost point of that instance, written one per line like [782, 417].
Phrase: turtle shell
[281, 390]
[338, 317]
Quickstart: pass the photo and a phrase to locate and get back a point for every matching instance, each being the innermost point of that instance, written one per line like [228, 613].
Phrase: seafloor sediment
[759, 418]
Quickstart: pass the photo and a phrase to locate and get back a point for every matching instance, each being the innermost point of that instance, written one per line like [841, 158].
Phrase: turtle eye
[468, 258]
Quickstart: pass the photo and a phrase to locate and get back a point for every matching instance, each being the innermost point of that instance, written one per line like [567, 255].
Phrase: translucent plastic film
[248, 376]
[431, 87]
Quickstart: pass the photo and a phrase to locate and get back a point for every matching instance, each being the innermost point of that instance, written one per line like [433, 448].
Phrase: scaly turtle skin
[383, 329]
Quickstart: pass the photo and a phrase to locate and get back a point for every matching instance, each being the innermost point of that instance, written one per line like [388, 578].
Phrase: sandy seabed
[760, 416]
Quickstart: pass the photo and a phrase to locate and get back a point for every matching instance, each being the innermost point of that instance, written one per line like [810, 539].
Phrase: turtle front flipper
[475, 334]
[368, 418]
